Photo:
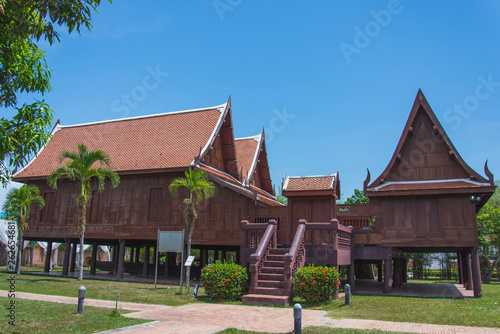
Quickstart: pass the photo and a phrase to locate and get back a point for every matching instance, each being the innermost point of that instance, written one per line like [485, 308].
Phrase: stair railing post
[259, 255]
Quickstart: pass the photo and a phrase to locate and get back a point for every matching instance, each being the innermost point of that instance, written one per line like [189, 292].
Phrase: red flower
[312, 283]
[219, 299]
[229, 280]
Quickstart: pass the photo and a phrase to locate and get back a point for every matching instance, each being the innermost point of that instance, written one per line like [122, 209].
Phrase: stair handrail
[295, 258]
[268, 241]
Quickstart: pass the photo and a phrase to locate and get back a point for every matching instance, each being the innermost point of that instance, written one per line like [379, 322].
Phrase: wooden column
[388, 276]
[204, 257]
[380, 271]
[223, 255]
[350, 276]
[73, 257]
[48, 256]
[132, 249]
[405, 270]
[467, 271]
[121, 256]
[137, 254]
[397, 274]
[67, 254]
[145, 266]
[460, 268]
[93, 261]
[476, 273]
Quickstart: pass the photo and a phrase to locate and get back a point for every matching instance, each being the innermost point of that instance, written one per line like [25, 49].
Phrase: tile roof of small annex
[161, 141]
[309, 183]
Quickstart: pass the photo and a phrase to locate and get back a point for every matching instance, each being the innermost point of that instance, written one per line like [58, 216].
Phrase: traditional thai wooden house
[426, 200]
[148, 152]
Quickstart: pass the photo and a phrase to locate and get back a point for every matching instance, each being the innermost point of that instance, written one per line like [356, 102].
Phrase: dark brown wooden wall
[418, 221]
[425, 155]
[129, 212]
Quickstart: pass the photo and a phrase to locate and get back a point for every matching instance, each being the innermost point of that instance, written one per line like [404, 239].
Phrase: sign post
[169, 241]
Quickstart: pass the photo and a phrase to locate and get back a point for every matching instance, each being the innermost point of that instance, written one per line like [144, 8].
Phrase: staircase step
[279, 264]
[271, 284]
[272, 270]
[267, 291]
[279, 251]
[276, 257]
[265, 300]
[271, 277]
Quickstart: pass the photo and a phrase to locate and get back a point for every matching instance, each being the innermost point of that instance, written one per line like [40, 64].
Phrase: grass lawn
[480, 312]
[36, 317]
[100, 289]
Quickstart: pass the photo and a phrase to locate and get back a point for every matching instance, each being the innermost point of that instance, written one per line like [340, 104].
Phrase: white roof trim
[56, 128]
[428, 181]
[220, 108]
[258, 138]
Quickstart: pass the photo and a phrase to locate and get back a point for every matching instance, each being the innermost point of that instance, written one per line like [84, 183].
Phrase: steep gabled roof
[135, 144]
[312, 185]
[425, 158]
[224, 130]
[252, 159]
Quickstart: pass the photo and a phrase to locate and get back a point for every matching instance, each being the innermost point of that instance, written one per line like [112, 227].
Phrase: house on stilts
[426, 200]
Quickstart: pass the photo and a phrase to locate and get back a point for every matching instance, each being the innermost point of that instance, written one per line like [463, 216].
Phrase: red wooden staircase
[272, 268]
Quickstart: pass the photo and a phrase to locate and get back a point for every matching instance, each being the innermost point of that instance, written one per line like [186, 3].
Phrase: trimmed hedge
[224, 281]
[316, 284]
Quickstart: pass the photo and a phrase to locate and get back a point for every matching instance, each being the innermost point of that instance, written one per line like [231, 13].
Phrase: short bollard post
[116, 307]
[195, 291]
[81, 299]
[347, 291]
[297, 318]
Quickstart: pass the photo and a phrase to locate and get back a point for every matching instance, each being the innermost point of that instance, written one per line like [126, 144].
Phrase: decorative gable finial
[367, 180]
[489, 173]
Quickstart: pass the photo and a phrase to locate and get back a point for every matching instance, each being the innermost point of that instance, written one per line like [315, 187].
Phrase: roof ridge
[311, 176]
[256, 137]
[219, 108]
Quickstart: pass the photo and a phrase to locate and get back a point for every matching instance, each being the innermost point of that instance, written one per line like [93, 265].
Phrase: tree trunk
[491, 269]
[188, 269]
[80, 274]
[19, 254]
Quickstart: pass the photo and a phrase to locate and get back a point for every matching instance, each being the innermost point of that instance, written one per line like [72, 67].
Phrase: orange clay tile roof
[245, 153]
[143, 143]
[402, 186]
[294, 183]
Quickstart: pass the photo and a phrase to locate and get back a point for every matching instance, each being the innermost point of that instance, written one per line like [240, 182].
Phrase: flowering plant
[224, 281]
[316, 284]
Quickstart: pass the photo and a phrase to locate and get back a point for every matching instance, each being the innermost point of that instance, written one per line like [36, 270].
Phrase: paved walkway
[211, 318]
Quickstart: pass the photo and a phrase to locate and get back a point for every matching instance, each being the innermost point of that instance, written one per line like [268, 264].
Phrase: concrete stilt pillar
[48, 256]
[460, 268]
[121, 256]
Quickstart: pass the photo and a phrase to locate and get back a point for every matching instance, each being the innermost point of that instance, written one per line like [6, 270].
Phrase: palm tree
[197, 183]
[17, 206]
[80, 168]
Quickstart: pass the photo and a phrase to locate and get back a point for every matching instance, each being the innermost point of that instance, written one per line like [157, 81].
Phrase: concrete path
[211, 318]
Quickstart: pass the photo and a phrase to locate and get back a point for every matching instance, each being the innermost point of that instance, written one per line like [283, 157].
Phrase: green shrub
[316, 284]
[224, 281]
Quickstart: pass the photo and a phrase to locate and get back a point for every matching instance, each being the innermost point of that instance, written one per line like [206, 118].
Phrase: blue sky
[332, 82]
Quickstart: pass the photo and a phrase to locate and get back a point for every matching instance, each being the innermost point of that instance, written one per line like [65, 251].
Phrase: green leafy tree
[17, 206]
[199, 186]
[80, 168]
[359, 197]
[23, 69]
[280, 198]
[488, 224]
